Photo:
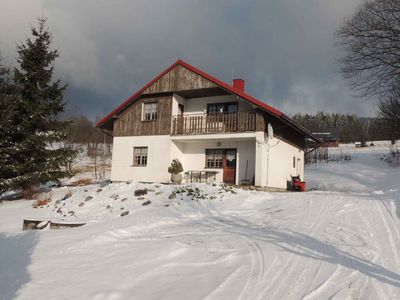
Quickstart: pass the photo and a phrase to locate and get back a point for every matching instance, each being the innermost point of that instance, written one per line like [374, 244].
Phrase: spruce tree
[7, 132]
[36, 155]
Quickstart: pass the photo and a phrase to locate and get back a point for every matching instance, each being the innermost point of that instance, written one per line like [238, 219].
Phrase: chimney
[238, 84]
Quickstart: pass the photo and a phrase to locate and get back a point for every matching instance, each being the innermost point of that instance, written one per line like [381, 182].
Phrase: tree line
[347, 127]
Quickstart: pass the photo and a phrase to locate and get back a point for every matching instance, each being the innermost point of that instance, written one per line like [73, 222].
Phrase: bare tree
[371, 40]
[389, 108]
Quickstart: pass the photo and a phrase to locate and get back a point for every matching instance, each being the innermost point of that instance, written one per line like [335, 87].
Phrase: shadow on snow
[307, 246]
[15, 258]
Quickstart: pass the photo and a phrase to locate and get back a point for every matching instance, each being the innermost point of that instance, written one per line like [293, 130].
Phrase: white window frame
[140, 156]
[149, 111]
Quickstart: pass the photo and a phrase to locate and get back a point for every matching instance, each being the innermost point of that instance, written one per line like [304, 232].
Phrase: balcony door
[229, 166]
[221, 108]
[222, 117]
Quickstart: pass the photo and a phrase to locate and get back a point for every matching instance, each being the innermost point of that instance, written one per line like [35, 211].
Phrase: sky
[284, 49]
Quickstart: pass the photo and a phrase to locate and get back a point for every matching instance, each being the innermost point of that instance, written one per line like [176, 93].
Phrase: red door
[229, 166]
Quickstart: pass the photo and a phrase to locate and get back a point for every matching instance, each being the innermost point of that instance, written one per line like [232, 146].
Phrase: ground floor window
[214, 158]
[140, 156]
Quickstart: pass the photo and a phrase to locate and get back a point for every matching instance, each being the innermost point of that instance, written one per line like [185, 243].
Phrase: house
[329, 138]
[216, 130]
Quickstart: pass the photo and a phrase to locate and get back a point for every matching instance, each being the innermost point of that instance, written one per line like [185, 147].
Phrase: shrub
[29, 191]
[176, 167]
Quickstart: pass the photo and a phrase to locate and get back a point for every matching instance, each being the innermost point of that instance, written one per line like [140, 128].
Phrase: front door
[229, 166]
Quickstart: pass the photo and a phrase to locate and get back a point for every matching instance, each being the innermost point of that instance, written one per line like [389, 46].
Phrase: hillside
[212, 242]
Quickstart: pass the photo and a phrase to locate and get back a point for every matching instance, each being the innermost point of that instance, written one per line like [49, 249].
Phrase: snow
[339, 241]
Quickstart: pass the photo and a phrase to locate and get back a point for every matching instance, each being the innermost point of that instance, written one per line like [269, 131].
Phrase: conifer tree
[7, 132]
[35, 152]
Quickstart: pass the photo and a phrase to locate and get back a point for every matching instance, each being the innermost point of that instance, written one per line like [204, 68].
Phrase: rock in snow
[124, 213]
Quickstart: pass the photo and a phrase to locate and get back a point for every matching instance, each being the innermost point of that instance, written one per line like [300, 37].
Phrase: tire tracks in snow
[292, 263]
[257, 267]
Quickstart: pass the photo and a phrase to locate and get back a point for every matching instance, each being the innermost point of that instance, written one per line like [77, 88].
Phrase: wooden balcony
[213, 123]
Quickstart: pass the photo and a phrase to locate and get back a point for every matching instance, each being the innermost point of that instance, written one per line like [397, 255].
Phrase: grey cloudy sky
[284, 49]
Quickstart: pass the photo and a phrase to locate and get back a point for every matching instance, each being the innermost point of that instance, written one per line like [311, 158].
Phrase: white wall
[158, 160]
[269, 161]
[176, 100]
[161, 151]
[194, 157]
[274, 162]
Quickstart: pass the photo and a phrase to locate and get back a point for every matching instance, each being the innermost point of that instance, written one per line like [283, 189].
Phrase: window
[149, 111]
[294, 162]
[140, 156]
[218, 108]
[214, 158]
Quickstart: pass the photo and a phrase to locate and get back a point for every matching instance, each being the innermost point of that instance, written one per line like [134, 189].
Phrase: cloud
[283, 49]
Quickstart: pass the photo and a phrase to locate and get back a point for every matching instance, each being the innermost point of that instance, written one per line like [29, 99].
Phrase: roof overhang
[223, 89]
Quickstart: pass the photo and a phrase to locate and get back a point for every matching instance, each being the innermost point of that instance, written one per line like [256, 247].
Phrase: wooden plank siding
[129, 122]
[283, 131]
[179, 79]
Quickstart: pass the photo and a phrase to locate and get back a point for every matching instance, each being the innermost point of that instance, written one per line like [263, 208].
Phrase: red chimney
[238, 84]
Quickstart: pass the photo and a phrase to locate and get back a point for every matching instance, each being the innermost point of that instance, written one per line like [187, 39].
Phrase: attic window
[149, 111]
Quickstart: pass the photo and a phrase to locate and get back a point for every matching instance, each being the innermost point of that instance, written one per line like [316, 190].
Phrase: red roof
[218, 82]
[199, 72]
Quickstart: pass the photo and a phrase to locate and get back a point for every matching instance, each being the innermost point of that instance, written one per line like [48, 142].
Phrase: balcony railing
[213, 123]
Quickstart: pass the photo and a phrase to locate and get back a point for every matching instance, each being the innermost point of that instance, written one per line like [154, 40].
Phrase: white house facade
[217, 131]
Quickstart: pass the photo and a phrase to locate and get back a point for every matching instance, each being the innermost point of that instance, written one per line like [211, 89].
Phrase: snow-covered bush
[176, 167]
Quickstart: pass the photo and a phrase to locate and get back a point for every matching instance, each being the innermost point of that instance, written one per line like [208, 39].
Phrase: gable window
[140, 156]
[149, 111]
[220, 108]
[214, 158]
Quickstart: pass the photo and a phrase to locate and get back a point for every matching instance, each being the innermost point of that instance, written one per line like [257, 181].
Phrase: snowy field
[340, 241]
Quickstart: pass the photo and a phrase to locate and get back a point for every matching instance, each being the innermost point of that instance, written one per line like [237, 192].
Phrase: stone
[124, 213]
[124, 199]
[159, 193]
[146, 203]
[42, 225]
[88, 198]
[172, 196]
[166, 205]
[108, 206]
[141, 198]
[141, 192]
[99, 190]
[81, 204]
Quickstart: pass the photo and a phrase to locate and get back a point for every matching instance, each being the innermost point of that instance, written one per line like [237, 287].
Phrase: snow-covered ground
[341, 241]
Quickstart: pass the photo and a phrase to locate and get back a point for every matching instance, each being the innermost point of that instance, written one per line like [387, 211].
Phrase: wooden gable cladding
[281, 130]
[130, 123]
[179, 79]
